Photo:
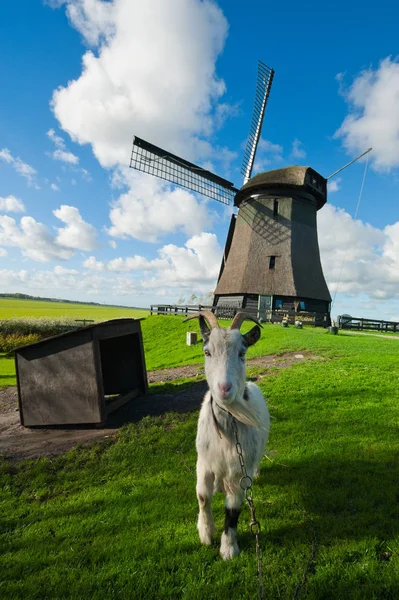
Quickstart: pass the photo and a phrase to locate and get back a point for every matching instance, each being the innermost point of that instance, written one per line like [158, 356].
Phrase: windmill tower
[271, 260]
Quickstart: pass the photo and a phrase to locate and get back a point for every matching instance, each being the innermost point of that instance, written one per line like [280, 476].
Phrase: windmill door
[265, 304]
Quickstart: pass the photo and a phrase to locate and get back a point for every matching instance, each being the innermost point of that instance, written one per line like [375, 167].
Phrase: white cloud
[269, 147]
[373, 117]
[356, 257]
[93, 264]
[134, 263]
[36, 242]
[297, 151]
[61, 153]
[225, 111]
[20, 167]
[176, 271]
[86, 175]
[192, 267]
[59, 270]
[112, 243]
[11, 204]
[54, 187]
[152, 208]
[3, 252]
[158, 82]
[266, 154]
[93, 18]
[58, 140]
[334, 185]
[77, 233]
[55, 283]
[65, 156]
[33, 238]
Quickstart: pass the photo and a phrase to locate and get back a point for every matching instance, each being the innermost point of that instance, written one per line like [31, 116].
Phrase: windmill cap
[290, 178]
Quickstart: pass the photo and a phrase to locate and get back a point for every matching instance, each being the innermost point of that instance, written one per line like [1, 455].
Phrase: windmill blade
[263, 86]
[153, 160]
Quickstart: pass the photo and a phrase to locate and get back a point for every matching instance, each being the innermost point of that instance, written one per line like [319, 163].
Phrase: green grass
[165, 343]
[15, 307]
[7, 370]
[119, 520]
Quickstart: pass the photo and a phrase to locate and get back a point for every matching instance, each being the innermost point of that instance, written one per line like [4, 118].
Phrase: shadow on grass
[349, 499]
[181, 401]
[346, 499]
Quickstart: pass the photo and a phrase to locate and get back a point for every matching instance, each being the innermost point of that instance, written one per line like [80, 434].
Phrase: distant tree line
[40, 298]
[28, 297]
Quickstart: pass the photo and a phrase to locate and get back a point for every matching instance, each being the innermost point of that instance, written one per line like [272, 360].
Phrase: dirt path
[19, 443]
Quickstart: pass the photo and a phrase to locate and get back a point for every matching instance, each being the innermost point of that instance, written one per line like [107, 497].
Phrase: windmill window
[272, 262]
[278, 303]
[275, 208]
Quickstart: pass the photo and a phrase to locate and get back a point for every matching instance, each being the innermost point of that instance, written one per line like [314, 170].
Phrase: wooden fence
[359, 323]
[222, 312]
[227, 312]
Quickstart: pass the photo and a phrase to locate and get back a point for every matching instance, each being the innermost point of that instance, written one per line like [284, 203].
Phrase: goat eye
[207, 353]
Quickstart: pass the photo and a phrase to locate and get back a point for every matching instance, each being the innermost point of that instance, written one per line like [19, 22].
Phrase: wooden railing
[222, 312]
[359, 323]
[227, 312]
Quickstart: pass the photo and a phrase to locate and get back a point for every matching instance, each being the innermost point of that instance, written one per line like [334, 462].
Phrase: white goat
[229, 394]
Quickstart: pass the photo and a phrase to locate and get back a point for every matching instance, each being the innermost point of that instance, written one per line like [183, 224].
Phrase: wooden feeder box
[191, 338]
[81, 376]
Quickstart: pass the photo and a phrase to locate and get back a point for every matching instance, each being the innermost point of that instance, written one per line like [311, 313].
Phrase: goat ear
[252, 336]
[205, 331]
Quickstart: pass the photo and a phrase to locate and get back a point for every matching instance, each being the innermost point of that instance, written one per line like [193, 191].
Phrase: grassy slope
[118, 520]
[165, 344]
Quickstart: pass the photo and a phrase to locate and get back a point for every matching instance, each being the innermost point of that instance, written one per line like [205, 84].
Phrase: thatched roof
[290, 178]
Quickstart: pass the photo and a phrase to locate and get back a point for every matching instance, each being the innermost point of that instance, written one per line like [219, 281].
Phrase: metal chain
[254, 525]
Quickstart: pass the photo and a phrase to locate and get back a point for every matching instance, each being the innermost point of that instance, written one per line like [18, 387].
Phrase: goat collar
[215, 421]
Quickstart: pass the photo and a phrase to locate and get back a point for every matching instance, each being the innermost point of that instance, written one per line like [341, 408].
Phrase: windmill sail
[153, 160]
[263, 86]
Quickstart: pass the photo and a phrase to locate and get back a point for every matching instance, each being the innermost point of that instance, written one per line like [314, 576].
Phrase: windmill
[271, 259]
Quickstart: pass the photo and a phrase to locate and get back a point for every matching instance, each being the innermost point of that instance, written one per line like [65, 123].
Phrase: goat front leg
[206, 526]
[229, 547]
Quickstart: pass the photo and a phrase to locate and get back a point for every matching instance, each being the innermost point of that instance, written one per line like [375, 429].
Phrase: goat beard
[245, 413]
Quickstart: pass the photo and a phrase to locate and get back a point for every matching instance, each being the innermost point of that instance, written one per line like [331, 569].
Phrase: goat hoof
[228, 547]
[206, 535]
[206, 540]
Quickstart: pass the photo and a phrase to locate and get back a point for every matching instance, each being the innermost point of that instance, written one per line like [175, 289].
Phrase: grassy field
[119, 520]
[15, 307]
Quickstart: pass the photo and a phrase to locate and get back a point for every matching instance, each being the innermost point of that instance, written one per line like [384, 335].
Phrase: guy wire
[355, 217]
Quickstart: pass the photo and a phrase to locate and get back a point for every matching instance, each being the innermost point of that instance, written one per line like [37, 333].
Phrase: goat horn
[240, 317]
[208, 316]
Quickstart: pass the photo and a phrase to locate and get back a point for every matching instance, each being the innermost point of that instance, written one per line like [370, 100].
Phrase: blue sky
[81, 77]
